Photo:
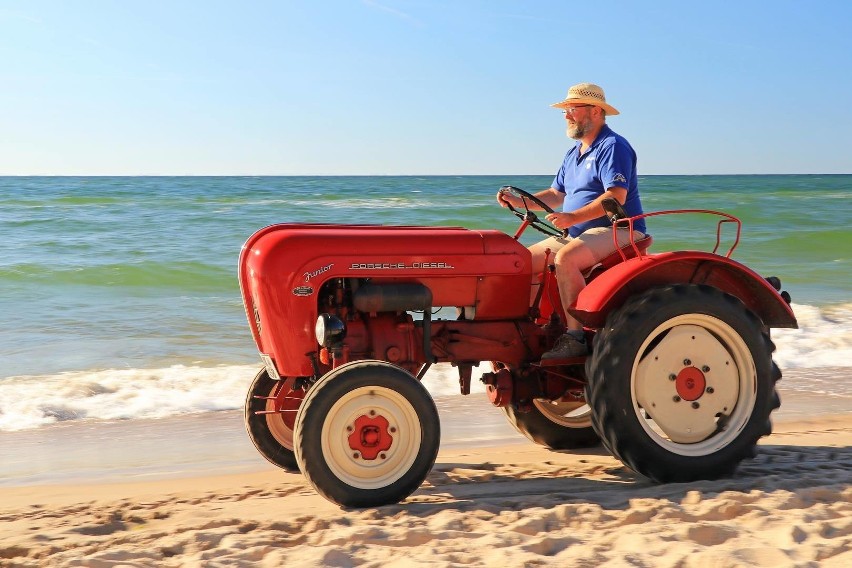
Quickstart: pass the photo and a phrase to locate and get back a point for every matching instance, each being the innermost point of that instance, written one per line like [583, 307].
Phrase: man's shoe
[566, 347]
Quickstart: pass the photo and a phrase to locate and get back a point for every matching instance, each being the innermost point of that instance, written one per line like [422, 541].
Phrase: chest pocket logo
[590, 161]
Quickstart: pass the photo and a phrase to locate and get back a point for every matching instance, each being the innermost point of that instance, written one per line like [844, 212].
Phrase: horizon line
[405, 175]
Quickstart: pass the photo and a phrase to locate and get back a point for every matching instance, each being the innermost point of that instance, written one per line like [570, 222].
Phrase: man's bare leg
[570, 282]
[569, 276]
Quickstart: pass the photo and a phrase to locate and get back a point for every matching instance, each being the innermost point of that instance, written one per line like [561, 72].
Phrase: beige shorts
[597, 241]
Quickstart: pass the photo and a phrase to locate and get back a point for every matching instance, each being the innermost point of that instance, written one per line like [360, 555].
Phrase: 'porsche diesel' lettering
[399, 265]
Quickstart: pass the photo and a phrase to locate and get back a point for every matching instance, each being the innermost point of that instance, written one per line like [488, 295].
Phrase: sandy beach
[206, 499]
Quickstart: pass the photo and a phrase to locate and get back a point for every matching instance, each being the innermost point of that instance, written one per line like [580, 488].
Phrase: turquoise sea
[119, 297]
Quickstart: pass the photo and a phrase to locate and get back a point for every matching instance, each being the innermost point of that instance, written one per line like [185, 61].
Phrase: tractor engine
[359, 320]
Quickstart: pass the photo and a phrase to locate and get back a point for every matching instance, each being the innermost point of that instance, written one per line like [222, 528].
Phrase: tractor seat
[615, 257]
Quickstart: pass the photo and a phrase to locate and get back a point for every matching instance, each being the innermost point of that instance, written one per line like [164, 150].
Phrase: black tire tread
[609, 359]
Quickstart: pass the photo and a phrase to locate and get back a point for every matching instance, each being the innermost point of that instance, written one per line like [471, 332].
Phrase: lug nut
[676, 398]
[705, 368]
[695, 404]
[687, 362]
[710, 390]
[392, 429]
[672, 377]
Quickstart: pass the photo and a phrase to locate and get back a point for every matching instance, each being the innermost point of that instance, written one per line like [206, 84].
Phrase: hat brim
[608, 109]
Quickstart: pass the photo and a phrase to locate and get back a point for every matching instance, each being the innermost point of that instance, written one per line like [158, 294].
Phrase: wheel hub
[370, 435]
[690, 383]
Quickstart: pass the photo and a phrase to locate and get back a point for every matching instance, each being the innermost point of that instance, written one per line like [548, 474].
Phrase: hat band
[586, 94]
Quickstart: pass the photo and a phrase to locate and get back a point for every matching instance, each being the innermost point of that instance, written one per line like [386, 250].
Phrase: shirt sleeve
[558, 182]
[615, 163]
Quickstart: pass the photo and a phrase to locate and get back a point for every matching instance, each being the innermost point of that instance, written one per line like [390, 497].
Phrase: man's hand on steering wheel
[562, 221]
[507, 199]
[514, 198]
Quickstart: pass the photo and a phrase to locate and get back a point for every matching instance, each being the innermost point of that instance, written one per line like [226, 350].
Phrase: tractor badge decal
[303, 291]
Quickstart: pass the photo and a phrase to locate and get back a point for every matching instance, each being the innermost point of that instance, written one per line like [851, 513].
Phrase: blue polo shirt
[609, 162]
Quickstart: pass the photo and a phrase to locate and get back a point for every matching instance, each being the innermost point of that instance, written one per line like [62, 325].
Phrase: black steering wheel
[529, 217]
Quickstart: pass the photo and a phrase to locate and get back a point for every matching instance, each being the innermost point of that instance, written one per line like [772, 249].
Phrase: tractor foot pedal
[581, 360]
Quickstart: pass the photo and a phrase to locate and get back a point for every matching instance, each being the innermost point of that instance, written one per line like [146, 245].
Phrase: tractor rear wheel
[682, 383]
[272, 434]
[555, 425]
[367, 434]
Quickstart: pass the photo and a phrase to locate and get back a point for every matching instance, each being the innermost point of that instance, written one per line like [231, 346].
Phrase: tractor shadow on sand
[592, 476]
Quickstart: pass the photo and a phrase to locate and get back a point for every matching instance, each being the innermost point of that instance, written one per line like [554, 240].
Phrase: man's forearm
[552, 197]
[591, 210]
[594, 209]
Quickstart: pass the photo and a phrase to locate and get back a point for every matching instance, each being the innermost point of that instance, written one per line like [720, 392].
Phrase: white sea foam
[116, 394]
[823, 340]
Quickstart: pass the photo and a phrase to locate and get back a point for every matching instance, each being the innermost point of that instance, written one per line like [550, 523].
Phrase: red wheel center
[370, 436]
[690, 383]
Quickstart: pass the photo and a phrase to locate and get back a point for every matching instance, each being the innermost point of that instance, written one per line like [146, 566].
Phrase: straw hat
[586, 93]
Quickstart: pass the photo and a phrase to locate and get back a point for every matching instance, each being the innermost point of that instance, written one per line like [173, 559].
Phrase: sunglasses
[573, 109]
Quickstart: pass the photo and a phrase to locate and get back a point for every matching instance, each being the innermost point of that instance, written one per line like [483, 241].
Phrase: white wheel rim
[571, 414]
[679, 411]
[403, 425]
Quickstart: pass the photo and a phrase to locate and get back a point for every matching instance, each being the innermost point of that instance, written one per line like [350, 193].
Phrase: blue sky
[154, 87]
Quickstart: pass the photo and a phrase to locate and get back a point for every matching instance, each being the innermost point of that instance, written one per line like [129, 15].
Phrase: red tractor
[679, 384]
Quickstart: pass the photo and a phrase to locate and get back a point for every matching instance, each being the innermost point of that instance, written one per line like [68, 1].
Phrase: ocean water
[119, 297]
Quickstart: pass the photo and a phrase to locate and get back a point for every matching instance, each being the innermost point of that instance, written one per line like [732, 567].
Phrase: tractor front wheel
[367, 434]
[682, 383]
[271, 432]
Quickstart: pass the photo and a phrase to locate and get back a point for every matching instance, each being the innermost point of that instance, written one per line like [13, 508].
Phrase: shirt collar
[604, 132]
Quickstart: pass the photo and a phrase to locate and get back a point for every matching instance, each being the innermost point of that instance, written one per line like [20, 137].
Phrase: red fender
[612, 288]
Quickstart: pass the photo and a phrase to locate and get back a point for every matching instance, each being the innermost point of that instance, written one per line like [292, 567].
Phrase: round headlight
[329, 330]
